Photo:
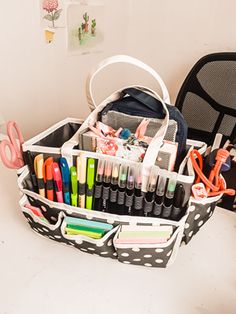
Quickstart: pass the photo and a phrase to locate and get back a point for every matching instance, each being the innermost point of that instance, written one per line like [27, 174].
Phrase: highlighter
[65, 172]
[129, 195]
[159, 198]
[169, 196]
[48, 178]
[113, 189]
[74, 186]
[81, 177]
[151, 188]
[90, 183]
[137, 207]
[39, 171]
[57, 181]
[106, 184]
[97, 203]
[120, 207]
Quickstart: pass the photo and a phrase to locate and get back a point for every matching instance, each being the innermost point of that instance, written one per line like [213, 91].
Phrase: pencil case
[62, 139]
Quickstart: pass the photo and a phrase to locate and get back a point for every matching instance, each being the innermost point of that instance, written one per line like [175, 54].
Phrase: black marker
[97, 204]
[151, 188]
[129, 195]
[120, 208]
[168, 201]
[112, 204]
[137, 208]
[30, 162]
[178, 202]
[159, 198]
[106, 184]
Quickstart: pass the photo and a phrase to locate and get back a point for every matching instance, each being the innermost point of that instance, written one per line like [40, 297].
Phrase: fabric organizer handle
[123, 59]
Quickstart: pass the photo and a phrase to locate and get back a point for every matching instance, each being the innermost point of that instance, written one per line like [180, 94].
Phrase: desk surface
[40, 276]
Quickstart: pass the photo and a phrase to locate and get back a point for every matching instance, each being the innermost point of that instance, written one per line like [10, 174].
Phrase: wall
[41, 84]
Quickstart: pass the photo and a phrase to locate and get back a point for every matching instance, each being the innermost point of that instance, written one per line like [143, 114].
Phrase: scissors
[15, 146]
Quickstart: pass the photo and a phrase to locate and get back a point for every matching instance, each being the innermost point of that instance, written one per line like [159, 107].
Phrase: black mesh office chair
[207, 98]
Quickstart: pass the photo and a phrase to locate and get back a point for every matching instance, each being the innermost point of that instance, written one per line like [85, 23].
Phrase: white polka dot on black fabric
[186, 225]
[137, 259]
[190, 234]
[89, 217]
[99, 244]
[148, 264]
[159, 261]
[91, 249]
[109, 243]
[115, 254]
[197, 217]
[126, 262]
[124, 254]
[200, 223]
[104, 253]
[147, 256]
[29, 220]
[79, 241]
[51, 237]
[135, 249]
[71, 243]
[208, 209]
[169, 253]
[210, 214]
[69, 212]
[159, 250]
[45, 229]
[191, 208]
[44, 209]
[40, 230]
[83, 249]
[35, 229]
[57, 236]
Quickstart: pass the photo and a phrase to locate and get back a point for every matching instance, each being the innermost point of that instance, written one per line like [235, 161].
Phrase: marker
[57, 181]
[30, 162]
[81, 177]
[168, 201]
[137, 208]
[120, 208]
[65, 172]
[112, 204]
[39, 169]
[151, 188]
[106, 184]
[74, 186]
[90, 183]
[97, 204]
[159, 198]
[178, 202]
[129, 195]
[48, 178]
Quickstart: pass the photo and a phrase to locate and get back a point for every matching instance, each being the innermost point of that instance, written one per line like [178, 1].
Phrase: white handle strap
[123, 59]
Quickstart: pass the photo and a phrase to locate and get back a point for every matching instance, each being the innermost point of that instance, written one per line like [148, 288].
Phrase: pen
[129, 195]
[65, 172]
[106, 184]
[159, 197]
[81, 177]
[38, 168]
[120, 207]
[57, 181]
[168, 200]
[74, 186]
[30, 162]
[151, 188]
[48, 178]
[178, 202]
[112, 204]
[137, 208]
[90, 183]
[97, 204]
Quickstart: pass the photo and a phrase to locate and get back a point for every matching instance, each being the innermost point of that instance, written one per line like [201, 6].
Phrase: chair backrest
[207, 98]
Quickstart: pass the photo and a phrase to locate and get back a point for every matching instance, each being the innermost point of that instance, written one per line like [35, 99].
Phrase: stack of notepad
[92, 229]
[144, 234]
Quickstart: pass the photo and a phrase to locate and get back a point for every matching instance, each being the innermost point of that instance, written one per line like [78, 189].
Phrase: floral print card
[85, 28]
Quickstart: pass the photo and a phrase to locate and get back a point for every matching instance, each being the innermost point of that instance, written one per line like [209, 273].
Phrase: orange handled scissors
[14, 143]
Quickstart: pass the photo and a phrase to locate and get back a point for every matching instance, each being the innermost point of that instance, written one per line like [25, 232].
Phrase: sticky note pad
[88, 223]
[89, 234]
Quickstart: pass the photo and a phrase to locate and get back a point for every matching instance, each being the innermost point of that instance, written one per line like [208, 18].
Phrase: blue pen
[65, 172]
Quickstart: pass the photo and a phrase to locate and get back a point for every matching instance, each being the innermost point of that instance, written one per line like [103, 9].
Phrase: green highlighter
[74, 186]
[90, 182]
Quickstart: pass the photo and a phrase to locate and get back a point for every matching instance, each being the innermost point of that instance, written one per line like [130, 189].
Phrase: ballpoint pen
[112, 204]
[151, 188]
[178, 202]
[137, 208]
[97, 204]
[57, 181]
[74, 186]
[90, 183]
[106, 184]
[129, 193]
[120, 207]
[48, 178]
[81, 177]
[65, 172]
[159, 197]
[39, 169]
[168, 200]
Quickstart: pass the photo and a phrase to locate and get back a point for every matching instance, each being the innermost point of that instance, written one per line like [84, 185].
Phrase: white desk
[41, 276]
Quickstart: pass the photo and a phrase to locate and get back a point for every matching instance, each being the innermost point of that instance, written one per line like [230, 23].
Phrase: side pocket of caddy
[150, 255]
[103, 247]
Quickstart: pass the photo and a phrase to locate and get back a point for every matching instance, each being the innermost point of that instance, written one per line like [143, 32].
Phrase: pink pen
[57, 181]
